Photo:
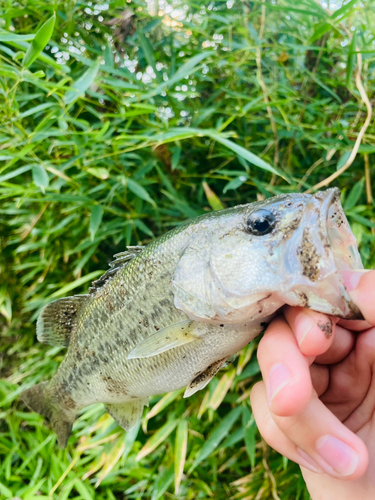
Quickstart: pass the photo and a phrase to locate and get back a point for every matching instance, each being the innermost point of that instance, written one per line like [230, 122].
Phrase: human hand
[316, 404]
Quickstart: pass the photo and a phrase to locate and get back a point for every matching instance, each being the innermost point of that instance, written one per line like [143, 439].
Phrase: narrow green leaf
[235, 183]
[99, 172]
[343, 159]
[158, 438]
[320, 30]
[217, 436]
[148, 52]
[14, 173]
[162, 483]
[251, 369]
[163, 403]
[212, 198]
[5, 491]
[95, 220]
[75, 284]
[343, 10]
[13, 37]
[350, 62]
[86, 493]
[180, 453]
[80, 86]
[35, 109]
[354, 195]
[40, 40]
[108, 57]
[190, 67]
[48, 60]
[249, 426]
[139, 191]
[40, 177]
[247, 155]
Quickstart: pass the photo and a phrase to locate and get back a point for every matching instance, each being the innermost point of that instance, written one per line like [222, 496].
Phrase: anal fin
[58, 319]
[203, 378]
[167, 338]
[127, 414]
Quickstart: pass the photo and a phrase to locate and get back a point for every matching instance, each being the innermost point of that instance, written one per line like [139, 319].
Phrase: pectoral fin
[167, 338]
[203, 378]
[127, 414]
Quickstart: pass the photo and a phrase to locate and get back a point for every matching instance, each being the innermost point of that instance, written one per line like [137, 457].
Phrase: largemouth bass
[169, 315]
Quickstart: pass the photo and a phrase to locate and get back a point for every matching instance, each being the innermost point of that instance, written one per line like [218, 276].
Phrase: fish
[170, 314]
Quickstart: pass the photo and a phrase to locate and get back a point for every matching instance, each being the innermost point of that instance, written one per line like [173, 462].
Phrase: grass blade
[40, 40]
[80, 86]
[180, 453]
[217, 436]
[158, 438]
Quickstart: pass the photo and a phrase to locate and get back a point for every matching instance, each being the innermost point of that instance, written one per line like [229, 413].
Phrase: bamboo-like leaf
[95, 220]
[6, 36]
[162, 483]
[212, 198]
[148, 52]
[139, 191]
[251, 369]
[189, 68]
[350, 62]
[40, 177]
[157, 439]
[40, 40]
[249, 425]
[75, 284]
[217, 436]
[247, 155]
[80, 86]
[163, 403]
[354, 195]
[222, 388]
[110, 460]
[180, 453]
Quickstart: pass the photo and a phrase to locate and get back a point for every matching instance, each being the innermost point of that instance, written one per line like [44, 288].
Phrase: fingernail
[302, 325]
[279, 376]
[338, 455]
[309, 462]
[351, 278]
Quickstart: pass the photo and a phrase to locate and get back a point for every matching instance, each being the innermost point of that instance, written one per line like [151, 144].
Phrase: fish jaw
[327, 247]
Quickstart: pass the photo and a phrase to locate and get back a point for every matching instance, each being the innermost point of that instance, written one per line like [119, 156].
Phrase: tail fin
[37, 399]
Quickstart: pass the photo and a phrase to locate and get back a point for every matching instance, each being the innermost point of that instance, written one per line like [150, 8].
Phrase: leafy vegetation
[119, 121]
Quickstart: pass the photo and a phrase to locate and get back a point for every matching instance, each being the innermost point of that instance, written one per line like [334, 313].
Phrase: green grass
[112, 132]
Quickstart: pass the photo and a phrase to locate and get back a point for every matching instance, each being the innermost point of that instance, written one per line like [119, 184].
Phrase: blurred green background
[119, 120]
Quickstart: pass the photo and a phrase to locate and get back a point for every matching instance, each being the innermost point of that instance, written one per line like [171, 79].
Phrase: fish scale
[169, 315]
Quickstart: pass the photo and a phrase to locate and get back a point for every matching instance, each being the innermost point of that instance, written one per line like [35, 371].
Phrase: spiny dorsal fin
[58, 319]
[121, 260]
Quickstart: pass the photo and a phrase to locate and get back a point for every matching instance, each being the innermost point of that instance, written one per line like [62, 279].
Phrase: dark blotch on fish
[326, 327]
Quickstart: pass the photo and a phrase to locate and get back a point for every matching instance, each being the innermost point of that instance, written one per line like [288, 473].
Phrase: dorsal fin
[58, 319]
[121, 260]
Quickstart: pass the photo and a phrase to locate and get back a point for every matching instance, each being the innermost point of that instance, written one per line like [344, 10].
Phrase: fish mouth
[339, 253]
[326, 246]
[340, 238]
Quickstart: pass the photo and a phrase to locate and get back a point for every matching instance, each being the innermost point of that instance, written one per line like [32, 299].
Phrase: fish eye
[261, 222]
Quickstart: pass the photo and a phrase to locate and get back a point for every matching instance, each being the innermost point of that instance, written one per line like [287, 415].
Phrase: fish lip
[329, 198]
